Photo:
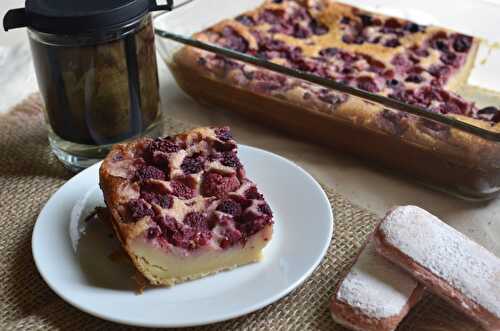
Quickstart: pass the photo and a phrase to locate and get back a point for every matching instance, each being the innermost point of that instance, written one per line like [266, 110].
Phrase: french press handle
[15, 18]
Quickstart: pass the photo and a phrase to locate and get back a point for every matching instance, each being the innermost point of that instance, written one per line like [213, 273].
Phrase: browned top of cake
[186, 191]
[394, 57]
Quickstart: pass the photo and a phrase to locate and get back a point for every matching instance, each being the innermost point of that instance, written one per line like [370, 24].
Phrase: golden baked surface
[420, 65]
[176, 200]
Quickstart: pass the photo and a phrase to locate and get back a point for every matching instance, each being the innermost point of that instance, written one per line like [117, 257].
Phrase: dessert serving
[396, 58]
[375, 295]
[182, 207]
[449, 264]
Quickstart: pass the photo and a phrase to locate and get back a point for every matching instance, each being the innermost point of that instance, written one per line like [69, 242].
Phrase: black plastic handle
[15, 18]
[154, 6]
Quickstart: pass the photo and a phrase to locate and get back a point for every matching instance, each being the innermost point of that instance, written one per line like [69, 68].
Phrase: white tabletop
[362, 183]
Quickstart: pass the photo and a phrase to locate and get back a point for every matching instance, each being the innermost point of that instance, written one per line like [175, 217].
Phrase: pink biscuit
[444, 260]
[375, 295]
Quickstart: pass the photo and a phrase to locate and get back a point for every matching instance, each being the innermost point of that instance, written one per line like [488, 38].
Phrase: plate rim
[224, 317]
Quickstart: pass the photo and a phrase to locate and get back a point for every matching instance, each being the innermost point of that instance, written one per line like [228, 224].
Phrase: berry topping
[162, 200]
[413, 78]
[265, 209]
[462, 43]
[166, 145]
[329, 96]
[196, 221]
[366, 20]
[413, 27]
[230, 207]
[317, 28]
[345, 20]
[182, 191]
[253, 193]
[192, 164]
[184, 237]
[392, 23]
[393, 82]
[300, 32]
[138, 209]
[329, 52]
[223, 134]
[149, 172]
[252, 223]
[153, 232]
[245, 20]
[449, 58]
[230, 159]
[231, 39]
[392, 43]
[231, 237]
[368, 84]
[272, 16]
[215, 184]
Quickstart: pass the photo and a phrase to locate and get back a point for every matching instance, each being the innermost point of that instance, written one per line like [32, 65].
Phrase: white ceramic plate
[73, 255]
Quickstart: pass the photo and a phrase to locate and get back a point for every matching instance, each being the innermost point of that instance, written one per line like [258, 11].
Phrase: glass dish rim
[385, 102]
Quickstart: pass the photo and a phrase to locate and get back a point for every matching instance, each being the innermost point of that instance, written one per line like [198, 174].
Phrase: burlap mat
[29, 174]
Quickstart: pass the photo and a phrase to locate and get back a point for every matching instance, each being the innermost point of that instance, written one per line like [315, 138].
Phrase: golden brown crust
[435, 284]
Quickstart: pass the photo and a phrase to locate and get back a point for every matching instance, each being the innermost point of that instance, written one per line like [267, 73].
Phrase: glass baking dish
[438, 150]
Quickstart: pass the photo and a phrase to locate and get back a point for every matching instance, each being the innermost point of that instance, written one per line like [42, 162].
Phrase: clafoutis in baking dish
[398, 59]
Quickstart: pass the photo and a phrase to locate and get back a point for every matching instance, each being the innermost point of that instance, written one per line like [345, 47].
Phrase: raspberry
[272, 16]
[230, 159]
[393, 43]
[233, 40]
[184, 237]
[149, 172]
[182, 191]
[192, 164]
[166, 145]
[197, 221]
[139, 208]
[300, 32]
[215, 184]
[392, 23]
[462, 43]
[413, 27]
[366, 20]
[265, 209]
[230, 238]
[153, 232]
[223, 134]
[413, 78]
[329, 52]
[252, 223]
[163, 200]
[253, 193]
[367, 83]
[245, 20]
[167, 224]
[230, 207]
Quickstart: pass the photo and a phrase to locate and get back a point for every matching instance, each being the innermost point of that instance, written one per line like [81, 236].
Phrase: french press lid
[71, 17]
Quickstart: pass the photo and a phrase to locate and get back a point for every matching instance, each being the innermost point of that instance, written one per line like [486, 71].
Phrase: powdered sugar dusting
[467, 266]
[375, 286]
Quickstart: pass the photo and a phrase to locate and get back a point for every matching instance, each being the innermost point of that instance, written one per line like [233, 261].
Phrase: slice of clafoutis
[183, 207]
[448, 263]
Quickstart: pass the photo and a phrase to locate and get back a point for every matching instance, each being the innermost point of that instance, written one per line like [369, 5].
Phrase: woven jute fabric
[30, 174]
